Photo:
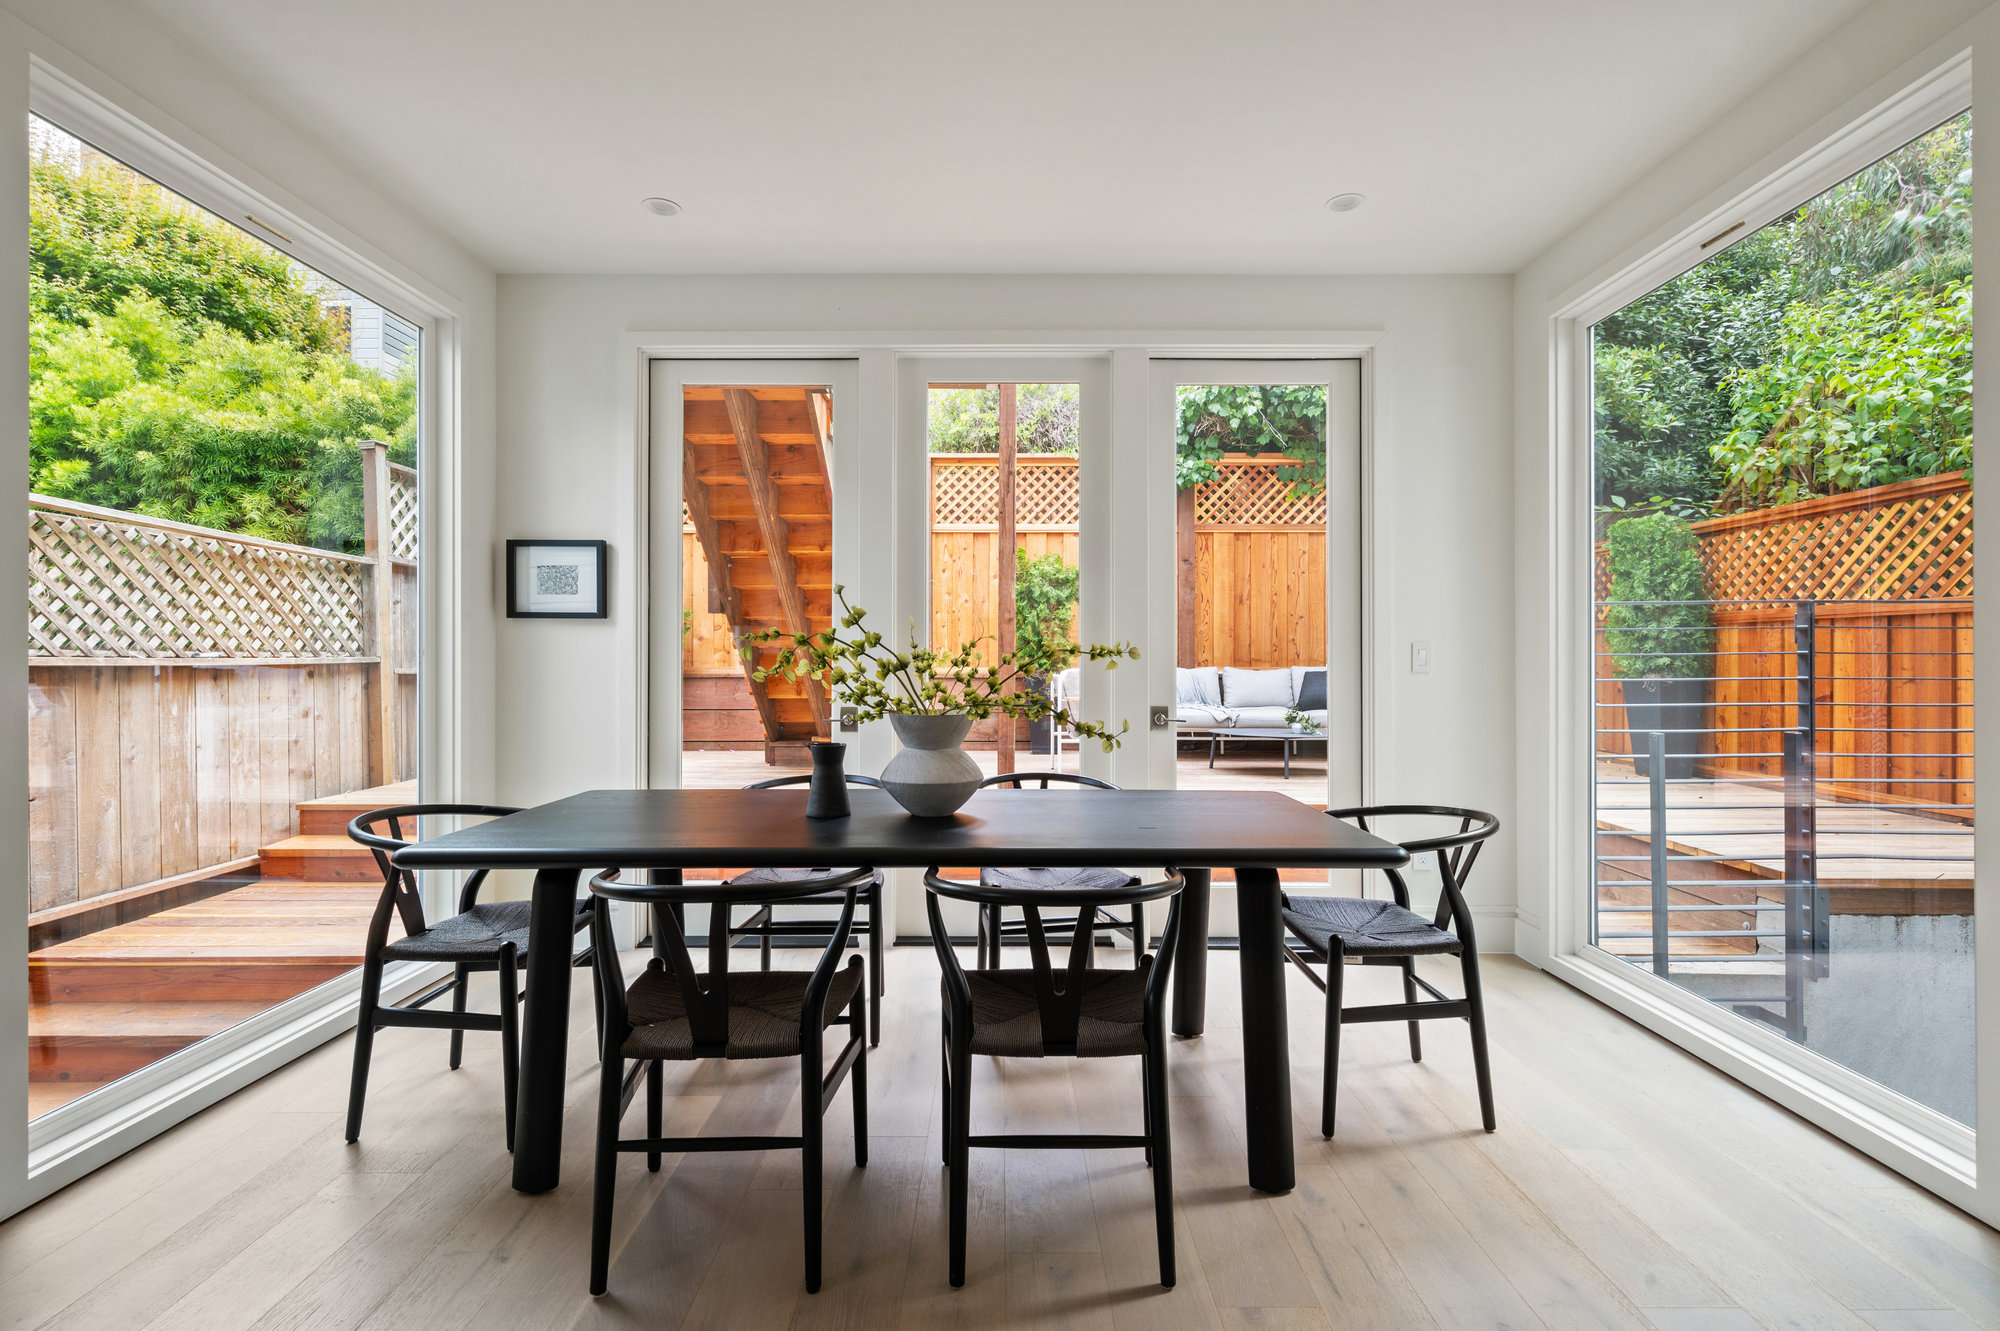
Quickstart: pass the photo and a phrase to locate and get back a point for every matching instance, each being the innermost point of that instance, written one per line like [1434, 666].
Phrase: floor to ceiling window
[1783, 793]
[222, 634]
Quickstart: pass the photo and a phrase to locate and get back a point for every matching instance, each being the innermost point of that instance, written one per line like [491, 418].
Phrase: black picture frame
[517, 605]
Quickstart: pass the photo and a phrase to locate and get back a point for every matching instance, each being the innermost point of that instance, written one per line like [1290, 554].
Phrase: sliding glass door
[222, 635]
[1781, 769]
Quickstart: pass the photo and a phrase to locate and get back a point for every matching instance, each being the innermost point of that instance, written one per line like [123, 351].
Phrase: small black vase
[826, 797]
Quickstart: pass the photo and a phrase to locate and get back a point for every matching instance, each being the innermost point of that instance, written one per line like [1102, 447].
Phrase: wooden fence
[1253, 592]
[187, 687]
[1889, 571]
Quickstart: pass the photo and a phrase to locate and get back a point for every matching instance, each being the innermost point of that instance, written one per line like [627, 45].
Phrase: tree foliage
[1828, 351]
[967, 420]
[1252, 418]
[182, 369]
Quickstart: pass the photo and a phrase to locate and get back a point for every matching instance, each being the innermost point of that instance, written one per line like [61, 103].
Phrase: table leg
[545, 1033]
[1267, 1064]
[1288, 760]
[1191, 956]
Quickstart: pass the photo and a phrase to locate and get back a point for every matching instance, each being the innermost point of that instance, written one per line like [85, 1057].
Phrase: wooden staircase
[757, 483]
[113, 1001]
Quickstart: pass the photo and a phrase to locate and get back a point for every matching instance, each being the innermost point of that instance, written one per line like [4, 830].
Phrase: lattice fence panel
[1912, 550]
[965, 495]
[402, 513]
[1246, 494]
[1906, 542]
[104, 585]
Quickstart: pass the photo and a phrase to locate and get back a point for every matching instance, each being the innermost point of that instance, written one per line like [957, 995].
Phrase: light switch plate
[1420, 657]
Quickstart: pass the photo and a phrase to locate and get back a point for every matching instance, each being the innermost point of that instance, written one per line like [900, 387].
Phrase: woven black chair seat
[1030, 880]
[764, 1013]
[835, 895]
[1007, 1022]
[1365, 927]
[472, 935]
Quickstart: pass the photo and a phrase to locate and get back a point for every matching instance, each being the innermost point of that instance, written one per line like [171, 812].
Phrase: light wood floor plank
[1629, 1186]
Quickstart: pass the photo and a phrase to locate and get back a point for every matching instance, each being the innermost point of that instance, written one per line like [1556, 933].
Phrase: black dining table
[1253, 833]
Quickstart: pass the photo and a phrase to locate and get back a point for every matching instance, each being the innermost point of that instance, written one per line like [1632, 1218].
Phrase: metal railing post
[1802, 915]
[1656, 840]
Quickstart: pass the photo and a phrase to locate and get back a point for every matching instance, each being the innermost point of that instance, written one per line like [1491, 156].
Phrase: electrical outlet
[848, 724]
[1420, 657]
[1162, 717]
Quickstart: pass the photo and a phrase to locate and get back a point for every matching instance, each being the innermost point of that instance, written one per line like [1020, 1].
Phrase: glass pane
[1783, 579]
[757, 554]
[222, 631]
[1004, 561]
[1250, 590]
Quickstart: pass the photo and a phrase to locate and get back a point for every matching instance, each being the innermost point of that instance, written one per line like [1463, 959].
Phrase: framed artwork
[556, 579]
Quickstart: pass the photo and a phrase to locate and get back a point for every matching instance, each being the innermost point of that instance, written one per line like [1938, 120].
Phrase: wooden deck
[1873, 859]
[110, 1002]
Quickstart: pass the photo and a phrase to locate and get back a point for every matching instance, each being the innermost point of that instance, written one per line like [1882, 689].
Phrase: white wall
[120, 56]
[568, 413]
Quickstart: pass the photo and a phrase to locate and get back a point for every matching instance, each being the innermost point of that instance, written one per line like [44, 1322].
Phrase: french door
[1255, 479]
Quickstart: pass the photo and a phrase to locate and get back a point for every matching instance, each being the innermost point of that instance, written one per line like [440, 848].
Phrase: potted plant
[1301, 723]
[1659, 630]
[1044, 609]
[930, 697]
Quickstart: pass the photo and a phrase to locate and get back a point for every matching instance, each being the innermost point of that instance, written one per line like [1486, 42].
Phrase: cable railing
[1827, 748]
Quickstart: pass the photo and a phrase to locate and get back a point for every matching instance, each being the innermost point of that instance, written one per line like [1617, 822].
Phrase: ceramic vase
[826, 796]
[932, 775]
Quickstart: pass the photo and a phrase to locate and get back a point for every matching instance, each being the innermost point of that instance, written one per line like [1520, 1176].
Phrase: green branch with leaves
[861, 671]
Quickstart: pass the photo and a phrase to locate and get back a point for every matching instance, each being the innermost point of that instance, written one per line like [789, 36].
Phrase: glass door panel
[1783, 768]
[1004, 551]
[1266, 592]
[222, 635]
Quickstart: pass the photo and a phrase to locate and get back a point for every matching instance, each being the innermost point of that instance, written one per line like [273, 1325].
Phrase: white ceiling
[1090, 136]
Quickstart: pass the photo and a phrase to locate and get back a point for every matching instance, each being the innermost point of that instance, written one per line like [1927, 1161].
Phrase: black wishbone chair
[1078, 1012]
[483, 936]
[995, 931]
[764, 926]
[672, 1011]
[1388, 933]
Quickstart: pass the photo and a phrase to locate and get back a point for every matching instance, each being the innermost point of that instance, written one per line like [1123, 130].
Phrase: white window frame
[72, 1140]
[1928, 1147]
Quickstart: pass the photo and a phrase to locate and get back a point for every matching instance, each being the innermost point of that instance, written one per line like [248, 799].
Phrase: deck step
[318, 858]
[100, 1042]
[330, 816]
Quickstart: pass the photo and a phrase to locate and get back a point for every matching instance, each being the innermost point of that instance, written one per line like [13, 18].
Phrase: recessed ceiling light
[1345, 203]
[665, 207]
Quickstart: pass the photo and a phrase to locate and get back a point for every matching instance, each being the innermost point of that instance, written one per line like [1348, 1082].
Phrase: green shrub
[1655, 561]
[1044, 601]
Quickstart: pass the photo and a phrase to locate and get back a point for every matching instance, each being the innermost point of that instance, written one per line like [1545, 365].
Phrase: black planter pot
[1673, 707]
[1038, 731]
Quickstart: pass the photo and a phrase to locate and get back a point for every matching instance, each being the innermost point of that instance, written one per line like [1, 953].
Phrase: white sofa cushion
[1256, 688]
[1198, 684]
[1260, 718]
